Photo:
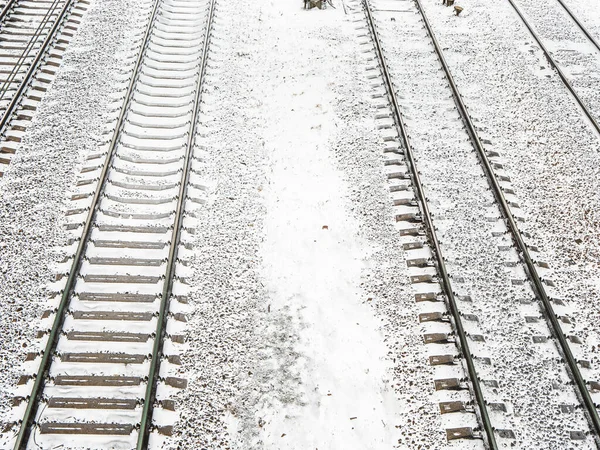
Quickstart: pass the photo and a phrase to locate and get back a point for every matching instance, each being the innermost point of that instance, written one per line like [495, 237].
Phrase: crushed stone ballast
[33, 39]
[436, 284]
[110, 358]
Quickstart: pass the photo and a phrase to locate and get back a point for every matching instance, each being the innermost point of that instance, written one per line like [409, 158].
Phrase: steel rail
[7, 8]
[429, 226]
[28, 48]
[33, 68]
[552, 62]
[157, 349]
[580, 25]
[530, 267]
[36, 392]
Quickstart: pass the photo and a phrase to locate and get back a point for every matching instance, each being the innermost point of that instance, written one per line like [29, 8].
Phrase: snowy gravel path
[67, 127]
[313, 260]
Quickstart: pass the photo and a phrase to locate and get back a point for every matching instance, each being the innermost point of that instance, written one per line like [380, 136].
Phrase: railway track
[434, 253]
[110, 355]
[589, 85]
[444, 269]
[33, 38]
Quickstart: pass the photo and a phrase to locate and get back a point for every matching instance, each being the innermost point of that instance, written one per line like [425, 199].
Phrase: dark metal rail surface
[7, 7]
[553, 63]
[66, 295]
[29, 47]
[430, 229]
[538, 286]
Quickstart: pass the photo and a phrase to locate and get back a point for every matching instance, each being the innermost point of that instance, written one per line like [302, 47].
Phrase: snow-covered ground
[303, 331]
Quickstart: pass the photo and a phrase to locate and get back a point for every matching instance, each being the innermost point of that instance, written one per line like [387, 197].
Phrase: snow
[303, 330]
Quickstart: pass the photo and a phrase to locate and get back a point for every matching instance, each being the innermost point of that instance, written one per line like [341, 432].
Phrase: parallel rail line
[580, 25]
[31, 55]
[127, 255]
[572, 364]
[555, 65]
[33, 37]
[524, 253]
[7, 7]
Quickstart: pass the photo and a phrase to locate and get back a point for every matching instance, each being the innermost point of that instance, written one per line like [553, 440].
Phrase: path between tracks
[319, 372]
[313, 262]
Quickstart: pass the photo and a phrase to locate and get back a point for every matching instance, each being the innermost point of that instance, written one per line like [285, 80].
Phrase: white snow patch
[313, 260]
